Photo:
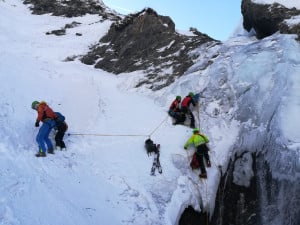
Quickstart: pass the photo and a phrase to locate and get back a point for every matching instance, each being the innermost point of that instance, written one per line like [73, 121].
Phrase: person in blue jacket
[61, 127]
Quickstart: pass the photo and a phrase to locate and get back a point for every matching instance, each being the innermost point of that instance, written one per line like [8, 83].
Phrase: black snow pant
[189, 113]
[60, 135]
[202, 152]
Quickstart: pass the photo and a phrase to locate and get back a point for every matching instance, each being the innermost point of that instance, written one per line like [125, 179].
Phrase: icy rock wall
[264, 82]
[255, 83]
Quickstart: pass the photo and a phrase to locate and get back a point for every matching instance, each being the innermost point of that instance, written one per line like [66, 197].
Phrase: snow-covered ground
[104, 176]
[99, 179]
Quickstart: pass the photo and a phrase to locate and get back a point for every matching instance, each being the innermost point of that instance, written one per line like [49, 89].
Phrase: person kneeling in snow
[199, 141]
[175, 112]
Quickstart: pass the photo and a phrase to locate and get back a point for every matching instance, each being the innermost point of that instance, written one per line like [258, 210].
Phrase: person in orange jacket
[199, 141]
[47, 116]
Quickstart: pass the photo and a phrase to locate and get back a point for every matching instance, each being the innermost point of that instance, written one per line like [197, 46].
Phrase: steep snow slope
[100, 179]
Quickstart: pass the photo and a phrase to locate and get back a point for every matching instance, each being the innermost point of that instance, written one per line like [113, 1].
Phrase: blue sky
[216, 18]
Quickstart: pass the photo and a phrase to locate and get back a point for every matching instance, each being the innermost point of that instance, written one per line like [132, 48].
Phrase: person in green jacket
[199, 141]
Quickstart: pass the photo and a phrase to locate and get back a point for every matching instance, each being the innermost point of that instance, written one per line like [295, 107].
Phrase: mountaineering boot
[203, 175]
[40, 154]
[208, 164]
[50, 151]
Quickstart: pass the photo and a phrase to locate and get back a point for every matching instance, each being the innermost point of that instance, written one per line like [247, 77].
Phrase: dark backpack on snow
[151, 147]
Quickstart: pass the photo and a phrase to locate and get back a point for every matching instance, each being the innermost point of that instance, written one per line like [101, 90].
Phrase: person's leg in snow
[59, 136]
[192, 118]
[42, 138]
[200, 156]
[206, 156]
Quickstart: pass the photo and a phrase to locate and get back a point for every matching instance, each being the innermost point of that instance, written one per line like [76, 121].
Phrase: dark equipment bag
[151, 147]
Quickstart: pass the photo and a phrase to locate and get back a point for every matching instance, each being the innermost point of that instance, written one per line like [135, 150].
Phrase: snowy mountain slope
[96, 179]
[249, 103]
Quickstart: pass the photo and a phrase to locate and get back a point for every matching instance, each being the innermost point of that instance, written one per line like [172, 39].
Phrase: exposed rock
[146, 41]
[191, 217]
[295, 29]
[268, 19]
[62, 31]
[70, 8]
[57, 32]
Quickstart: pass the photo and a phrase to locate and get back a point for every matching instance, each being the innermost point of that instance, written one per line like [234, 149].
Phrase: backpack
[151, 147]
[194, 163]
[59, 119]
[204, 138]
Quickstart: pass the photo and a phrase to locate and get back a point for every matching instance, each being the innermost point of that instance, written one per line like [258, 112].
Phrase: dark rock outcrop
[70, 8]
[268, 19]
[235, 204]
[146, 41]
[62, 31]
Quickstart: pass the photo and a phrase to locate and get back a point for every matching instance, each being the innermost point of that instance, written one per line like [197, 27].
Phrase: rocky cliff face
[146, 41]
[268, 19]
[143, 41]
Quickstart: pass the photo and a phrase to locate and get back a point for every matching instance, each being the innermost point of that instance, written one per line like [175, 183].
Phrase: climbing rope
[112, 135]
[159, 125]
[220, 210]
[198, 113]
[207, 218]
[122, 135]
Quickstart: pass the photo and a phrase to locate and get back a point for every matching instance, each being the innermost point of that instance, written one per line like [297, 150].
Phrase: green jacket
[196, 139]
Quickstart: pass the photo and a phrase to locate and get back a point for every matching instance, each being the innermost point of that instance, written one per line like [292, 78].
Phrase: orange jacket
[44, 112]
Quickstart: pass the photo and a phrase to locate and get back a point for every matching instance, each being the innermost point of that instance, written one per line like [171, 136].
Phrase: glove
[37, 124]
